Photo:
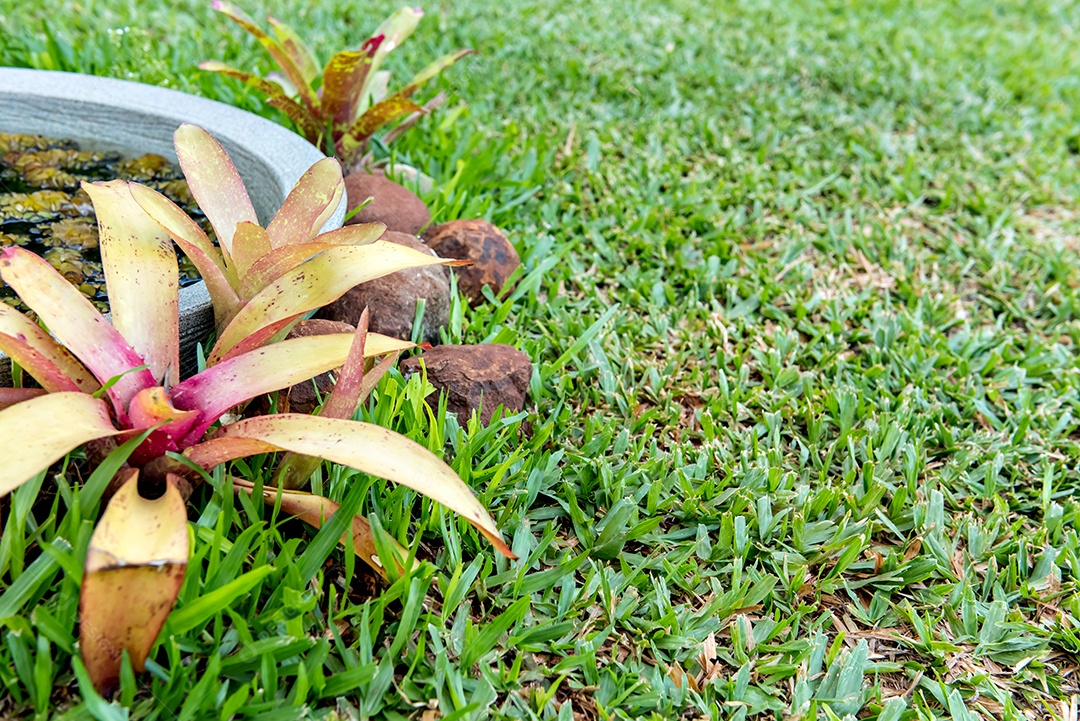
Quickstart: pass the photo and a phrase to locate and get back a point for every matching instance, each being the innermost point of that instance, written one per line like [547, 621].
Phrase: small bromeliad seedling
[119, 381]
[340, 108]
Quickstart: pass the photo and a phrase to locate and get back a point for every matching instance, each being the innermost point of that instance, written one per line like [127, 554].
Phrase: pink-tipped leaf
[40, 368]
[141, 276]
[52, 362]
[304, 211]
[39, 431]
[214, 183]
[315, 283]
[345, 396]
[77, 324]
[395, 29]
[267, 369]
[375, 450]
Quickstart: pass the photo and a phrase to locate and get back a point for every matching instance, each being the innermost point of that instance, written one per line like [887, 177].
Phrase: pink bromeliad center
[150, 407]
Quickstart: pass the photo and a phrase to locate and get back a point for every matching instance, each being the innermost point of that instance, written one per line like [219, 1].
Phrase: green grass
[802, 298]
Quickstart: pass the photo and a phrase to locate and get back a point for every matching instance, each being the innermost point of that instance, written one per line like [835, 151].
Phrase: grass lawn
[802, 440]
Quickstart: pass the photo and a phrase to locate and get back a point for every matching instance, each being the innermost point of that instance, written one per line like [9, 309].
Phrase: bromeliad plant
[120, 381]
[342, 106]
[261, 281]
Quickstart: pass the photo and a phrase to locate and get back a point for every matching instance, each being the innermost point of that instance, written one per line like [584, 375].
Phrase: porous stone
[393, 205]
[493, 256]
[476, 378]
[301, 398]
[392, 298]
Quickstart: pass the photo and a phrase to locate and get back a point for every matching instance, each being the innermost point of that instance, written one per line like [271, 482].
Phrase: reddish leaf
[313, 284]
[54, 358]
[77, 324]
[212, 453]
[353, 140]
[149, 408]
[374, 450]
[283, 58]
[214, 183]
[267, 369]
[304, 118]
[344, 79]
[294, 471]
[11, 396]
[256, 339]
[40, 368]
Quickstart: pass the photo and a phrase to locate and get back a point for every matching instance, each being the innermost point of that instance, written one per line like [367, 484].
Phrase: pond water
[43, 209]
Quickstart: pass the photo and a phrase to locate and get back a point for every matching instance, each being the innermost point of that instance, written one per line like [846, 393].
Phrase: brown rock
[476, 377]
[492, 255]
[392, 298]
[393, 205]
[301, 398]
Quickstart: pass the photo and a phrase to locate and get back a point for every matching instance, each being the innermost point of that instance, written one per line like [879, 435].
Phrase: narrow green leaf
[100, 709]
[328, 537]
[200, 611]
[583, 340]
[39, 572]
[493, 631]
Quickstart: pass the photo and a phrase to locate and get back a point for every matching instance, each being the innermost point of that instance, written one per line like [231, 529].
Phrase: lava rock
[301, 398]
[393, 205]
[492, 255]
[392, 298]
[476, 378]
